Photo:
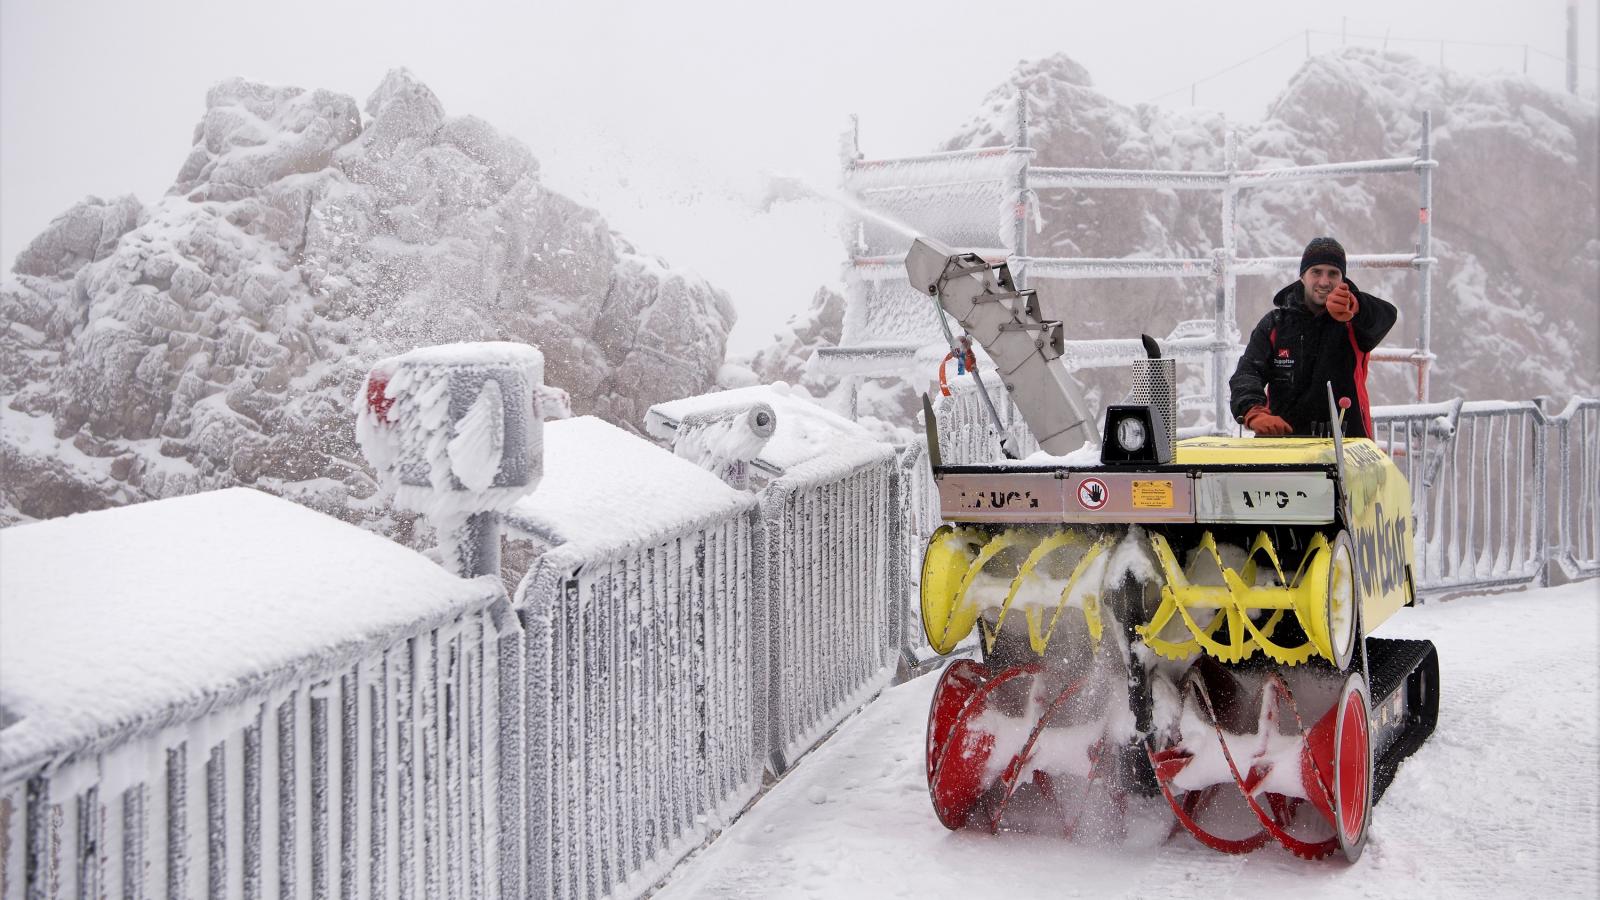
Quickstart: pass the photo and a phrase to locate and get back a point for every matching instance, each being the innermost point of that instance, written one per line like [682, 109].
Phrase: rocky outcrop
[215, 336]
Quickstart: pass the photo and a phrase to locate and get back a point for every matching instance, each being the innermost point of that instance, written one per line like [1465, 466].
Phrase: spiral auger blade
[1291, 778]
[1032, 571]
[1217, 612]
[994, 734]
[1029, 745]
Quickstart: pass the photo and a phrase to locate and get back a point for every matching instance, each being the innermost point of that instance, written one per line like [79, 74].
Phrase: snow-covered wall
[214, 336]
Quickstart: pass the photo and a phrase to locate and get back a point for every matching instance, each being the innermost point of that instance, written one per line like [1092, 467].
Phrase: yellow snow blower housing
[1034, 542]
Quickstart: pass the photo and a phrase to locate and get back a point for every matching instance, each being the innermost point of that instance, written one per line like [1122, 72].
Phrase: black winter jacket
[1293, 352]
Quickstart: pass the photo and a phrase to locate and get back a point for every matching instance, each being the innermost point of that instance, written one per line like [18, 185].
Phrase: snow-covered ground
[1504, 798]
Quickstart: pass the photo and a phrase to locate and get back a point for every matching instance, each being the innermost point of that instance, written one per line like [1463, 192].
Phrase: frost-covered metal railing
[966, 435]
[643, 688]
[1483, 475]
[375, 778]
[1477, 475]
[988, 195]
[918, 517]
[828, 552]
[1577, 532]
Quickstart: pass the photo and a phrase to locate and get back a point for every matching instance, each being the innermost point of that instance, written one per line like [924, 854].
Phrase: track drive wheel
[1343, 602]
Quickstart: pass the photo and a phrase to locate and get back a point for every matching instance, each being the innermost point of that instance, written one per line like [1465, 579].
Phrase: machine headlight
[1135, 434]
[1131, 434]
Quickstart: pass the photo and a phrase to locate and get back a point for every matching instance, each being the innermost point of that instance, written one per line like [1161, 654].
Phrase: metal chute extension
[1026, 349]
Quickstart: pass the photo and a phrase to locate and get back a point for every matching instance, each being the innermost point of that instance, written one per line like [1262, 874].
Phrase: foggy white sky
[666, 116]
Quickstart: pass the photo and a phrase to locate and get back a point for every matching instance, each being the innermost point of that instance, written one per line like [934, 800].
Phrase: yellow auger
[1238, 597]
[956, 559]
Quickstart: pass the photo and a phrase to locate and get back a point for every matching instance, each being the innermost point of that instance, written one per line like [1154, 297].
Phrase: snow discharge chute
[1183, 627]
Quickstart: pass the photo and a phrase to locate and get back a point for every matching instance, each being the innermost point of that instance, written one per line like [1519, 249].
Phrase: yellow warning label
[1152, 495]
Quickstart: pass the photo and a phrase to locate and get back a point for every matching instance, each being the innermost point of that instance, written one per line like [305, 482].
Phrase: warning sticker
[1152, 494]
[1092, 494]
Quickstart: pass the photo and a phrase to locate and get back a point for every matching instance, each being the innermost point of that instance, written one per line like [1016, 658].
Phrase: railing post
[1564, 541]
[1019, 233]
[1227, 287]
[762, 649]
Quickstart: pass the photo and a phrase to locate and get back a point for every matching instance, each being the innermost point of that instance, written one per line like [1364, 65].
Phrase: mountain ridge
[215, 336]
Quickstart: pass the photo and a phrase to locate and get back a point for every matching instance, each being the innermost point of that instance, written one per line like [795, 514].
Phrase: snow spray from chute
[791, 187]
[456, 434]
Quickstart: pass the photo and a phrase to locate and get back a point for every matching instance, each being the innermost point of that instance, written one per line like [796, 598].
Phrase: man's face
[1320, 282]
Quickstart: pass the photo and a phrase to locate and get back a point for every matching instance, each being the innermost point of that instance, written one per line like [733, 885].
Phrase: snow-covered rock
[215, 336]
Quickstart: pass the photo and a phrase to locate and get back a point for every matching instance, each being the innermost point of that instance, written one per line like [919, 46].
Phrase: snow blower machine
[1174, 625]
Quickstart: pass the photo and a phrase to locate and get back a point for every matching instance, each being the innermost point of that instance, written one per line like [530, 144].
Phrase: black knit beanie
[1322, 251]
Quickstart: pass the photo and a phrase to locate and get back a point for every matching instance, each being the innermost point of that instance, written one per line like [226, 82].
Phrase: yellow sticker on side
[1152, 495]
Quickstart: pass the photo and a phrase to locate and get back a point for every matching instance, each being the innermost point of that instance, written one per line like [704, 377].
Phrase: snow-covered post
[455, 435]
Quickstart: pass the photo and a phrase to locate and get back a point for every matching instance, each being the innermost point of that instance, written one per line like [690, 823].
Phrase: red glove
[1261, 420]
[1342, 303]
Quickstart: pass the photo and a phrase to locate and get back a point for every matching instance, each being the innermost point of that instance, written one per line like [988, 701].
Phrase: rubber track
[1390, 664]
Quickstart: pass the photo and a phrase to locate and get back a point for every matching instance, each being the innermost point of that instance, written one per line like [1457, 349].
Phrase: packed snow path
[1505, 797]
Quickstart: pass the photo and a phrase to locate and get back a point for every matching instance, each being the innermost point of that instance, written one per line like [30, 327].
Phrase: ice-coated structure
[804, 430]
[1503, 142]
[455, 433]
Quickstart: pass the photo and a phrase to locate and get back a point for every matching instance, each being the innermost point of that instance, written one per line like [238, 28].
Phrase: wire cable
[1374, 37]
[1452, 43]
[1225, 71]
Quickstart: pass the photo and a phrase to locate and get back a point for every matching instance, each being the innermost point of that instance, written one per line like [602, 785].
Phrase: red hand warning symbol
[1092, 493]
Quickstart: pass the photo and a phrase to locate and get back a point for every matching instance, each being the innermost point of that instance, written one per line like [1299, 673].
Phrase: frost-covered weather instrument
[1182, 625]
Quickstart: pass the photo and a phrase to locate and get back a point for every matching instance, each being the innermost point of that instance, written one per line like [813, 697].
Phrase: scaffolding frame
[1220, 343]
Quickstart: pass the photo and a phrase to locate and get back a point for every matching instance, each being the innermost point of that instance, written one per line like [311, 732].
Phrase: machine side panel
[1275, 498]
[1001, 497]
[1122, 496]
[1117, 496]
[1380, 530]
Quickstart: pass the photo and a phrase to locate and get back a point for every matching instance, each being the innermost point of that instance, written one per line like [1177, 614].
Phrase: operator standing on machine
[1320, 330]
